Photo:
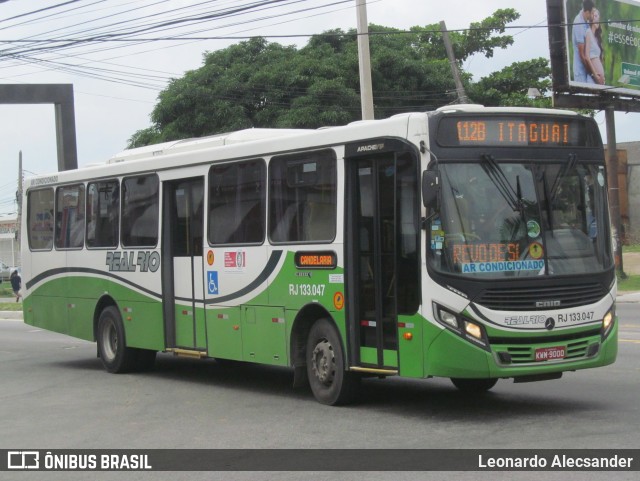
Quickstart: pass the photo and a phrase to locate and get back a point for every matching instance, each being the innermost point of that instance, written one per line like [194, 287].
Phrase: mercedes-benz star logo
[549, 323]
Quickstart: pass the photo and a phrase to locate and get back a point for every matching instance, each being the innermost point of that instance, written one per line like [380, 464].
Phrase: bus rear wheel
[473, 385]
[329, 381]
[116, 357]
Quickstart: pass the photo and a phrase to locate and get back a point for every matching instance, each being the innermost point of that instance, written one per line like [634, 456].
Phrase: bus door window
[187, 240]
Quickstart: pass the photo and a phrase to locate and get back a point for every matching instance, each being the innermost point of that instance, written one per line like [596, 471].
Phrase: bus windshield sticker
[535, 250]
[437, 234]
[533, 229]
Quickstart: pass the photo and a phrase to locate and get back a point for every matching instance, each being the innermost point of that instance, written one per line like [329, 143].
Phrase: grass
[6, 291]
[631, 283]
[631, 248]
[10, 306]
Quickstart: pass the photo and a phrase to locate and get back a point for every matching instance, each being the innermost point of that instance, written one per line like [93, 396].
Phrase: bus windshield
[521, 219]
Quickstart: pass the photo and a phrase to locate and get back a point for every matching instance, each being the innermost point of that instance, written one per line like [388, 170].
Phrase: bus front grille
[540, 298]
[510, 354]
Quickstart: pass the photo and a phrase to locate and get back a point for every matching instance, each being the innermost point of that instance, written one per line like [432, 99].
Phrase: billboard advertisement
[603, 45]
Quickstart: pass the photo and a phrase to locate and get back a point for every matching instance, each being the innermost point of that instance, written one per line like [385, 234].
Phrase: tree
[509, 86]
[263, 84]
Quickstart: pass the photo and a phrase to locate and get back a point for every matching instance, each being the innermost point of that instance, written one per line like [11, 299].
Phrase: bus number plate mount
[550, 353]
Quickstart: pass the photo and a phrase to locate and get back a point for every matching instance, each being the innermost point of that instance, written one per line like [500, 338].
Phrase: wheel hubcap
[323, 362]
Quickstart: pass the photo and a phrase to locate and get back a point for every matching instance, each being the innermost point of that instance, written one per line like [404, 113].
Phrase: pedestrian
[16, 282]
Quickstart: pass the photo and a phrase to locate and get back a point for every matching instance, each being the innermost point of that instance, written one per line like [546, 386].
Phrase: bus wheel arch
[104, 302]
[298, 340]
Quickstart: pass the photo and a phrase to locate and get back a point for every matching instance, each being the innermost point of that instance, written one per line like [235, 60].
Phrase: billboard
[602, 46]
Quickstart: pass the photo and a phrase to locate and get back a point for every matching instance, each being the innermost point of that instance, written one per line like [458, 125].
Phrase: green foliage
[10, 306]
[630, 284]
[261, 84]
[509, 86]
[5, 290]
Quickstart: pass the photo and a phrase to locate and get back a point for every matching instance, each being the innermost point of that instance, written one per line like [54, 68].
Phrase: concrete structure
[629, 183]
[61, 96]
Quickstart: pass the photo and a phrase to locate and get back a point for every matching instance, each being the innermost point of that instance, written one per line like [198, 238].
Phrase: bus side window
[70, 217]
[302, 197]
[237, 203]
[103, 213]
[40, 219]
[140, 205]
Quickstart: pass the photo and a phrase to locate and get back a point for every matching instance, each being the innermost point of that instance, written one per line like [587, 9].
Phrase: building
[9, 244]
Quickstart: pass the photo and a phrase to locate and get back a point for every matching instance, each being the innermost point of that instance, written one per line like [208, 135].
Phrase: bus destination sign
[511, 131]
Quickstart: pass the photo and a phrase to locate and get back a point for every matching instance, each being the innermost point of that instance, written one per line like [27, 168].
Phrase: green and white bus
[469, 243]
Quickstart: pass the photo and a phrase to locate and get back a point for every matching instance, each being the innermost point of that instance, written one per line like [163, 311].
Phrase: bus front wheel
[116, 357]
[473, 385]
[329, 381]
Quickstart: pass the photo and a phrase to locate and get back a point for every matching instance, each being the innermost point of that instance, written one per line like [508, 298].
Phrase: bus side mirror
[430, 187]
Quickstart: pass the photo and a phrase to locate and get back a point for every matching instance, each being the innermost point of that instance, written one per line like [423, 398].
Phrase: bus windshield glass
[502, 220]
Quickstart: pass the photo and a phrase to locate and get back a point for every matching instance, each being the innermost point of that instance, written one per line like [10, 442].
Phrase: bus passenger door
[183, 263]
[382, 263]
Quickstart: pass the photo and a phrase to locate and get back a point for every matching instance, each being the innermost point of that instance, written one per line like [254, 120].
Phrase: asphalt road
[55, 395]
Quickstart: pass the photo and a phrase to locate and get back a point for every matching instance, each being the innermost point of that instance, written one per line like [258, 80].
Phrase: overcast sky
[109, 112]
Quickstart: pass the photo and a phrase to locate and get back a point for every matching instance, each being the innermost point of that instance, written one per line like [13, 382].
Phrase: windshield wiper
[566, 168]
[496, 175]
[547, 200]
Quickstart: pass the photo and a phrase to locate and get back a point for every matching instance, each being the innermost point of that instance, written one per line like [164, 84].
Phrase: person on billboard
[581, 25]
[593, 47]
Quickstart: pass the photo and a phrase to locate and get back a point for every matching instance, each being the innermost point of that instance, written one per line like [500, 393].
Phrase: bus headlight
[462, 326]
[446, 317]
[449, 318]
[473, 330]
[607, 323]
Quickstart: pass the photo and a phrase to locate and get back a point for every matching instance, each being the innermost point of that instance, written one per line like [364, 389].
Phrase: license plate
[550, 353]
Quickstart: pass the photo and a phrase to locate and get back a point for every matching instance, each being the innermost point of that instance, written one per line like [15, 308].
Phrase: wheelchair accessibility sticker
[212, 282]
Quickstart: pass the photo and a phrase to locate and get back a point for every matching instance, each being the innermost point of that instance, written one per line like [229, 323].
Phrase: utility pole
[614, 192]
[364, 61]
[462, 96]
[19, 216]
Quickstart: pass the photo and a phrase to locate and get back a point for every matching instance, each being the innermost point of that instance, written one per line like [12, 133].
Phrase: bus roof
[477, 108]
[197, 143]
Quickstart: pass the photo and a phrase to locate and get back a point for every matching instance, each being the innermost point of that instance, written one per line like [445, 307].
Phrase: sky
[116, 84]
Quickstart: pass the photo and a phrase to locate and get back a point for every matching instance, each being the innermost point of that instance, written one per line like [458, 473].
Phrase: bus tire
[473, 385]
[116, 357]
[329, 381]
